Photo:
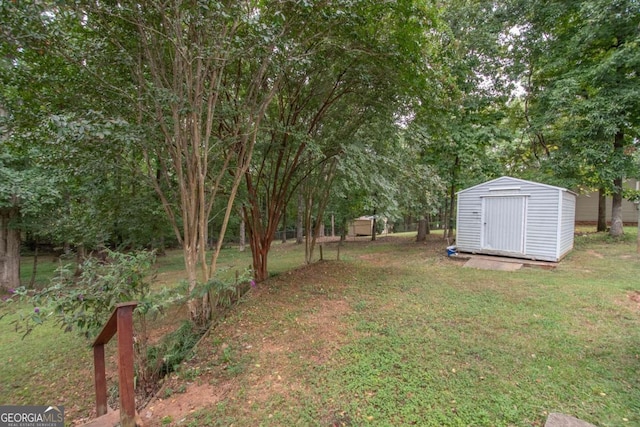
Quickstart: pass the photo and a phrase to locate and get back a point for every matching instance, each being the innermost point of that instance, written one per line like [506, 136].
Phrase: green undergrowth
[173, 348]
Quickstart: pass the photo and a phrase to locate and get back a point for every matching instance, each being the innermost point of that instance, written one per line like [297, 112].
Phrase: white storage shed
[516, 218]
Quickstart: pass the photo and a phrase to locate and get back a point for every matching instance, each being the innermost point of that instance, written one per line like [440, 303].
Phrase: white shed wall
[567, 222]
[469, 222]
[542, 229]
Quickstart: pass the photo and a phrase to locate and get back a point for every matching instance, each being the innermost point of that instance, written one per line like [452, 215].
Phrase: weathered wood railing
[121, 321]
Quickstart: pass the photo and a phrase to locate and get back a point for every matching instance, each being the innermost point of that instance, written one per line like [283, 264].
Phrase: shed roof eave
[518, 180]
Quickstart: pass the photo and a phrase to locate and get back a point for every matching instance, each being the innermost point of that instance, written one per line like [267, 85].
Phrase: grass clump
[173, 348]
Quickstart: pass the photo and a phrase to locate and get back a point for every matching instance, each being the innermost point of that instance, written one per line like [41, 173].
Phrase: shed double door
[504, 224]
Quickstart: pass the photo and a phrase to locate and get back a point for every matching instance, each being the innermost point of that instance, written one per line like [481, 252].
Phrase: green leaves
[577, 62]
[84, 303]
[24, 186]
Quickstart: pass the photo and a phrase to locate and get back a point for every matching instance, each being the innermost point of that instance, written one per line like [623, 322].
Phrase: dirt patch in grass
[635, 297]
[595, 254]
[177, 404]
[306, 307]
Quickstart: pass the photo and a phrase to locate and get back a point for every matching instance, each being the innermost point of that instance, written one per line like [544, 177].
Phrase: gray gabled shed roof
[504, 177]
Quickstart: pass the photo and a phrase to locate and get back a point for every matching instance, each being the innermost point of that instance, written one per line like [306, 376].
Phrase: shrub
[84, 301]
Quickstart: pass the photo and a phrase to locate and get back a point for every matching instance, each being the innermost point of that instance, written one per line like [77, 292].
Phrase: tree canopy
[125, 125]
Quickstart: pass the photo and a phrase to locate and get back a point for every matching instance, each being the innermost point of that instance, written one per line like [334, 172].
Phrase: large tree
[579, 63]
[458, 124]
[61, 129]
[30, 78]
[205, 77]
[188, 83]
[355, 60]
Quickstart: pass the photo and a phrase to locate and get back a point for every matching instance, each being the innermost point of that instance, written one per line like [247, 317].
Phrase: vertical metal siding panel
[542, 225]
[568, 223]
[559, 224]
[468, 220]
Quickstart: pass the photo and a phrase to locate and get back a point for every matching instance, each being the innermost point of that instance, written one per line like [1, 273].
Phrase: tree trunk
[243, 233]
[333, 225]
[422, 230]
[602, 211]
[452, 208]
[617, 229]
[260, 242]
[284, 225]
[194, 304]
[262, 225]
[9, 250]
[308, 231]
[81, 256]
[444, 219]
[318, 196]
[448, 234]
[299, 220]
[34, 270]
[373, 226]
[313, 228]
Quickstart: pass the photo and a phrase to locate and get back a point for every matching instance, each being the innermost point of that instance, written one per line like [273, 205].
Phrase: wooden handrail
[121, 322]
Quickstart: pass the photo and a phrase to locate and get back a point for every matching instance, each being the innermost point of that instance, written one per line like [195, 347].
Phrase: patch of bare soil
[595, 254]
[635, 297]
[175, 407]
[298, 312]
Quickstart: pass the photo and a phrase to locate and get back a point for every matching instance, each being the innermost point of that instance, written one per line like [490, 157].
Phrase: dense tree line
[131, 125]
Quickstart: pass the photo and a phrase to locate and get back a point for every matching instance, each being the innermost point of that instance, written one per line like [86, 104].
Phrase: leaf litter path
[287, 324]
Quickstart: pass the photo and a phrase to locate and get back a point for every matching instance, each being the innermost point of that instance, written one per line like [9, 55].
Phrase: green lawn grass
[423, 341]
[45, 269]
[485, 349]
[48, 367]
[52, 367]
[434, 344]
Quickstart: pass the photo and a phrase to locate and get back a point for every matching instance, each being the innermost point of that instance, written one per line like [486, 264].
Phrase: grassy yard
[394, 334]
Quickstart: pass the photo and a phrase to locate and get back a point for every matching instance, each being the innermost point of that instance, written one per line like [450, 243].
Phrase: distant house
[587, 207]
[517, 218]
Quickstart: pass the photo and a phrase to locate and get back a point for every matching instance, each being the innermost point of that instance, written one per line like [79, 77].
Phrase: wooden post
[121, 321]
[637, 204]
[333, 226]
[638, 235]
[125, 366]
[100, 379]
